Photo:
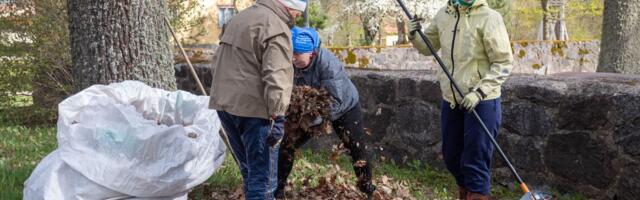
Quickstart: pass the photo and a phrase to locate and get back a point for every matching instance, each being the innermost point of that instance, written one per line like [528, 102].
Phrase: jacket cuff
[278, 110]
[420, 45]
[482, 94]
[483, 90]
[412, 36]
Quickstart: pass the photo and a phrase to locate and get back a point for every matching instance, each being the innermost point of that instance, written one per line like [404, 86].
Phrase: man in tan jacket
[251, 89]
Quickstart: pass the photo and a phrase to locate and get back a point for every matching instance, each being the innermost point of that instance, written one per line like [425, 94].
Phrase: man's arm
[332, 79]
[498, 49]
[432, 34]
[277, 74]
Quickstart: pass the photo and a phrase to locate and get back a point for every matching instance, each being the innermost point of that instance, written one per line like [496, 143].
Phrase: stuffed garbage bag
[128, 140]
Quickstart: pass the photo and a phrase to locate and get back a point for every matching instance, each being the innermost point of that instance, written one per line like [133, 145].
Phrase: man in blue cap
[318, 68]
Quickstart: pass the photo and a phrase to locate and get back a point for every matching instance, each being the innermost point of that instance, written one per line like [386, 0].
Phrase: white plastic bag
[54, 179]
[134, 140]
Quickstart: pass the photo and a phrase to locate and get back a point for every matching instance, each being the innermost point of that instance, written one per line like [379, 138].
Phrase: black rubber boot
[368, 189]
[280, 195]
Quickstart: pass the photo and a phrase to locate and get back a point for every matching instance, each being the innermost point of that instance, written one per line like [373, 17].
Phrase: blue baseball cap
[305, 40]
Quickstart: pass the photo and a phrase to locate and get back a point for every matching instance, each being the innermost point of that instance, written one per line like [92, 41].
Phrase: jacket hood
[279, 9]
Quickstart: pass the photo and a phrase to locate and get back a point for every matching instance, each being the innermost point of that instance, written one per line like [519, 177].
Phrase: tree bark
[370, 29]
[560, 25]
[619, 47]
[402, 31]
[547, 22]
[113, 41]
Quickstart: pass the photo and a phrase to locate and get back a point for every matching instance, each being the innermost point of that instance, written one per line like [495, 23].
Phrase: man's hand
[415, 25]
[274, 116]
[277, 131]
[317, 121]
[471, 100]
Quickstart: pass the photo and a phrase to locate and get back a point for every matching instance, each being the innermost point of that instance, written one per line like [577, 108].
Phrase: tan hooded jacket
[252, 75]
[482, 51]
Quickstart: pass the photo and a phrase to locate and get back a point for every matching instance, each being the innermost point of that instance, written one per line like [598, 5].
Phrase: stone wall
[577, 132]
[531, 57]
[201, 57]
[574, 132]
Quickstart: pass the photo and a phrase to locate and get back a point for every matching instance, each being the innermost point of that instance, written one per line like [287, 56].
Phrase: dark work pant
[255, 143]
[350, 130]
[466, 148]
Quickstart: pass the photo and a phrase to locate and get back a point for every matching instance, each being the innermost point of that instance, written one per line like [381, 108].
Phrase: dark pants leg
[466, 148]
[452, 125]
[285, 161]
[255, 143]
[350, 130]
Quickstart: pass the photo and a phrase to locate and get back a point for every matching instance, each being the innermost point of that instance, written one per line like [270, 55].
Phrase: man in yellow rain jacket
[475, 48]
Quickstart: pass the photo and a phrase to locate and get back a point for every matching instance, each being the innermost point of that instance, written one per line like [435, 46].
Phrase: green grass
[19, 101]
[228, 176]
[424, 181]
[23, 147]
[19, 110]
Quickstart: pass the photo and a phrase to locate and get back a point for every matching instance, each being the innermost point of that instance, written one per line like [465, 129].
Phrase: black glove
[277, 131]
[317, 121]
[415, 24]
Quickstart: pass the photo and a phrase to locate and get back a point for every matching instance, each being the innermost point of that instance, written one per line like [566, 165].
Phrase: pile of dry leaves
[306, 105]
[317, 182]
[334, 183]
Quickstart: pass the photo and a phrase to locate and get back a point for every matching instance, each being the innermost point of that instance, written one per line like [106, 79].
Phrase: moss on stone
[583, 52]
[536, 66]
[558, 48]
[363, 62]
[583, 61]
[522, 53]
[351, 57]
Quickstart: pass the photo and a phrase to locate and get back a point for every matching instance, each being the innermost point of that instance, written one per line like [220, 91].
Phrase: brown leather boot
[476, 196]
[462, 193]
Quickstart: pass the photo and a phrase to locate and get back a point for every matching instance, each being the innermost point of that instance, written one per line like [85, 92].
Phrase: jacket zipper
[453, 45]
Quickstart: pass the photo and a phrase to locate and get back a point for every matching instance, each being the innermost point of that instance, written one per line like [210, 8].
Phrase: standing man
[252, 82]
[475, 48]
[318, 68]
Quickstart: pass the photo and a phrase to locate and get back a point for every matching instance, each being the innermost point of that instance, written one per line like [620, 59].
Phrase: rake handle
[222, 133]
[191, 68]
[523, 186]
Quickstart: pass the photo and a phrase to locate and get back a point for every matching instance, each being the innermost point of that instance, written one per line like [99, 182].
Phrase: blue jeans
[255, 143]
[466, 148]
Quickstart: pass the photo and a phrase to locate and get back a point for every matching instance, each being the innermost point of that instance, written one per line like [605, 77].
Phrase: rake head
[536, 196]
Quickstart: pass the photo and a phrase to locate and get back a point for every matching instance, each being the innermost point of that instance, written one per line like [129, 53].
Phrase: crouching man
[318, 68]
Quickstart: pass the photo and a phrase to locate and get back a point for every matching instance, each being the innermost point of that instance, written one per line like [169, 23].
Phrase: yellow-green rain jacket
[482, 51]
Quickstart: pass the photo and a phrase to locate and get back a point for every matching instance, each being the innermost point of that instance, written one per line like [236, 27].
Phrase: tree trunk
[370, 31]
[402, 31]
[547, 22]
[619, 51]
[380, 34]
[113, 41]
[560, 25]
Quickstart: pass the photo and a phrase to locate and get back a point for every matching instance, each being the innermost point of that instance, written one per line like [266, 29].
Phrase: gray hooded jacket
[327, 71]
